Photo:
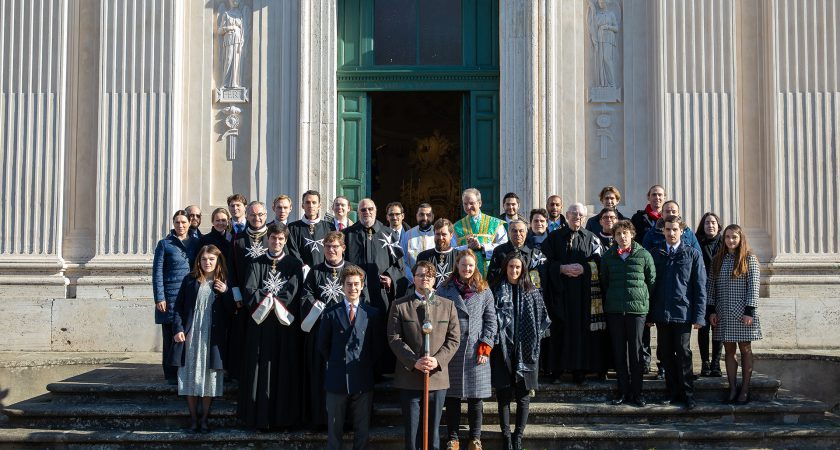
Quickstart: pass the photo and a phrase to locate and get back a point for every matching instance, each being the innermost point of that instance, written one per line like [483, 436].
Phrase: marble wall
[109, 119]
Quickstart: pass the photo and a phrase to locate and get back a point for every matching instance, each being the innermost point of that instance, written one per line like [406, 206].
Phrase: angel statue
[604, 18]
[232, 30]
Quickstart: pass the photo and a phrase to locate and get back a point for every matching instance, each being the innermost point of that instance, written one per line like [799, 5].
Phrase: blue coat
[350, 350]
[182, 321]
[680, 292]
[173, 261]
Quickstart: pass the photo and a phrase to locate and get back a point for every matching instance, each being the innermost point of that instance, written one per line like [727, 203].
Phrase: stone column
[139, 161]
[317, 74]
[696, 87]
[804, 124]
[33, 72]
[542, 85]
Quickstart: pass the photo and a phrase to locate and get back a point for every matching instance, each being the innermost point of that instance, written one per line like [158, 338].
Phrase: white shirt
[674, 247]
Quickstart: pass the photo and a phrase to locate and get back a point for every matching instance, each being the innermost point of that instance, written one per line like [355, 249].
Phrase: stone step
[825, 434]
[46, 412]
[144, 382]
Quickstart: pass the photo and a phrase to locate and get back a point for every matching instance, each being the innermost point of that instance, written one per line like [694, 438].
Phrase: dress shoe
[617, 401]
[640, 401]
[690, 403]
[205, 428]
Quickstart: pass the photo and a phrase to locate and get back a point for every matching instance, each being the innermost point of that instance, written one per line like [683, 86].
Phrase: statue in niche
[232, 30]
[604, 21]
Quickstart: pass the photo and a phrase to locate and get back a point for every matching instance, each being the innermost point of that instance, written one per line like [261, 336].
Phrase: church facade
[115, 113]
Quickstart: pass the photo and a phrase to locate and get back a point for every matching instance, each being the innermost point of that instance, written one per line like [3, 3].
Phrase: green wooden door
[353, 142]
[477, 76]
[480, 163]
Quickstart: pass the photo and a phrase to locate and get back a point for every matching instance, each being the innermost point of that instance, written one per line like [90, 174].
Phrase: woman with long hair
[199, 321]
[174, 256]
[522, 322]
[469, 371]
[708, 235]
[733, 298]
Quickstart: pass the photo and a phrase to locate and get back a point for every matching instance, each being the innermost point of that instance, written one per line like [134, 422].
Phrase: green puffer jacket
[628, 284]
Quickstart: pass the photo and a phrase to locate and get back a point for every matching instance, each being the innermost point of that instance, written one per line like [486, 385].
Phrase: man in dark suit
[405, 336]
[346, 339]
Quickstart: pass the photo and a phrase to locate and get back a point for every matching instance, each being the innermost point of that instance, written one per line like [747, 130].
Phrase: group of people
[299, 313]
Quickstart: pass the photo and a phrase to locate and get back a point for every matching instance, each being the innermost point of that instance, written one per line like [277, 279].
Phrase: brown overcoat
[406, 340]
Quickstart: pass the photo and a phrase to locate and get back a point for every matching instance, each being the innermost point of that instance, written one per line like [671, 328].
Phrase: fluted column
[139, 161]
[33, 70]
[317, 164]
[543, 132]
[803, 84]
[699, 159]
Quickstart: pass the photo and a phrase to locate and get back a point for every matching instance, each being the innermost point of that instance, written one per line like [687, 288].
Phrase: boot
[714, 367]
[453, 444]
[517, 442]
[705, 370]
[507, 442]
[475, 444]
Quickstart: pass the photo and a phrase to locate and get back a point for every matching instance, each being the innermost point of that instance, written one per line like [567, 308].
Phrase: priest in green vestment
[477, 231]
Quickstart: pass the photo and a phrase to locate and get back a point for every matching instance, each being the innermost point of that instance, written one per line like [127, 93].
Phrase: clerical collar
[257, 232]
[334, 267]
[445, 251]
[274, 257]
[310, 222]
[605, 235]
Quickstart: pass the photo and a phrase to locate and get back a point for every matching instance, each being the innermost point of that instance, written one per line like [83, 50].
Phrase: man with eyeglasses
[375, 248]
[573, 255]
[395, 213]
[194, 216]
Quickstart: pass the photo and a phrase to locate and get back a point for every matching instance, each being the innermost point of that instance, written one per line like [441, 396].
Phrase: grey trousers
[360, 409]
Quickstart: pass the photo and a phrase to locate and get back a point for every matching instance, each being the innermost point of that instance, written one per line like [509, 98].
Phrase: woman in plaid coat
[469, 368]
[733, 298]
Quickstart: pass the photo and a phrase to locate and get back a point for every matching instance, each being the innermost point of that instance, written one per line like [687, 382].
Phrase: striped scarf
[597, 318]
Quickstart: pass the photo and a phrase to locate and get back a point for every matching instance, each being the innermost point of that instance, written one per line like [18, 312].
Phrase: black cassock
[444, 263]
[377, 251]
[246, 247]
[271, 388]
[322, 283]
[306, 241]
[580, 349]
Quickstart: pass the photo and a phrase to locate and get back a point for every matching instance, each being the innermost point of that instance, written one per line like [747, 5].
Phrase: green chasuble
[484, 229]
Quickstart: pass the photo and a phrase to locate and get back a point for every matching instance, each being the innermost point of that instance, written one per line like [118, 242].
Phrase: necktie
[352, 314]
[340, 226]
[671, 251]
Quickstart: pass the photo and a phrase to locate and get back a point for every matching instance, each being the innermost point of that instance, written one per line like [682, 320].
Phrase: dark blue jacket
[350, 351]
[680, 292]
[173, 261]
[182, 321]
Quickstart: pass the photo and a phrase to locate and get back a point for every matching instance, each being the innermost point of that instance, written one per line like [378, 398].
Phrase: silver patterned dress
[195, 378]
[730, 296]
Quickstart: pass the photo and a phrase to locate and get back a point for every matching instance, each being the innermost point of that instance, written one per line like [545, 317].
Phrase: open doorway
[416, 151]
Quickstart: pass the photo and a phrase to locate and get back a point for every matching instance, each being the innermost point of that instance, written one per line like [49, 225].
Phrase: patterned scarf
[598, 320]
[463, 288]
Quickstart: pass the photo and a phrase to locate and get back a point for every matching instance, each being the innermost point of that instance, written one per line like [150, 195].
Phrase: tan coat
[406, 340]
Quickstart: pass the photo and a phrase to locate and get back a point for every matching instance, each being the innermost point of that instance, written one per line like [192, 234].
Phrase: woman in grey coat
[469, 368]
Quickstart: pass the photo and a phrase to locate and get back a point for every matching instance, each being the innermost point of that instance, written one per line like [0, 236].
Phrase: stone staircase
[126, 405]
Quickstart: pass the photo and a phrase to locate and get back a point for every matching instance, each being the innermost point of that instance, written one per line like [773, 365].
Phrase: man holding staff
[406, 336]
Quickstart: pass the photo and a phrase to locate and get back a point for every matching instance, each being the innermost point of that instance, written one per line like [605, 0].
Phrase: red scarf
[629, 250]
[652, 214]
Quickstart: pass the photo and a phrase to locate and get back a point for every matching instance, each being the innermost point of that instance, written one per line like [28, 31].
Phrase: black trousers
[360, 406]
[504, 396]
[170, 372]
[626, 336]
[475, 414]
[411, 402]
[675, 341]
[703, 337]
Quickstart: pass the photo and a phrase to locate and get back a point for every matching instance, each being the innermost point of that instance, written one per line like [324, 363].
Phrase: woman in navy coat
[198, 320]
[174, 255]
